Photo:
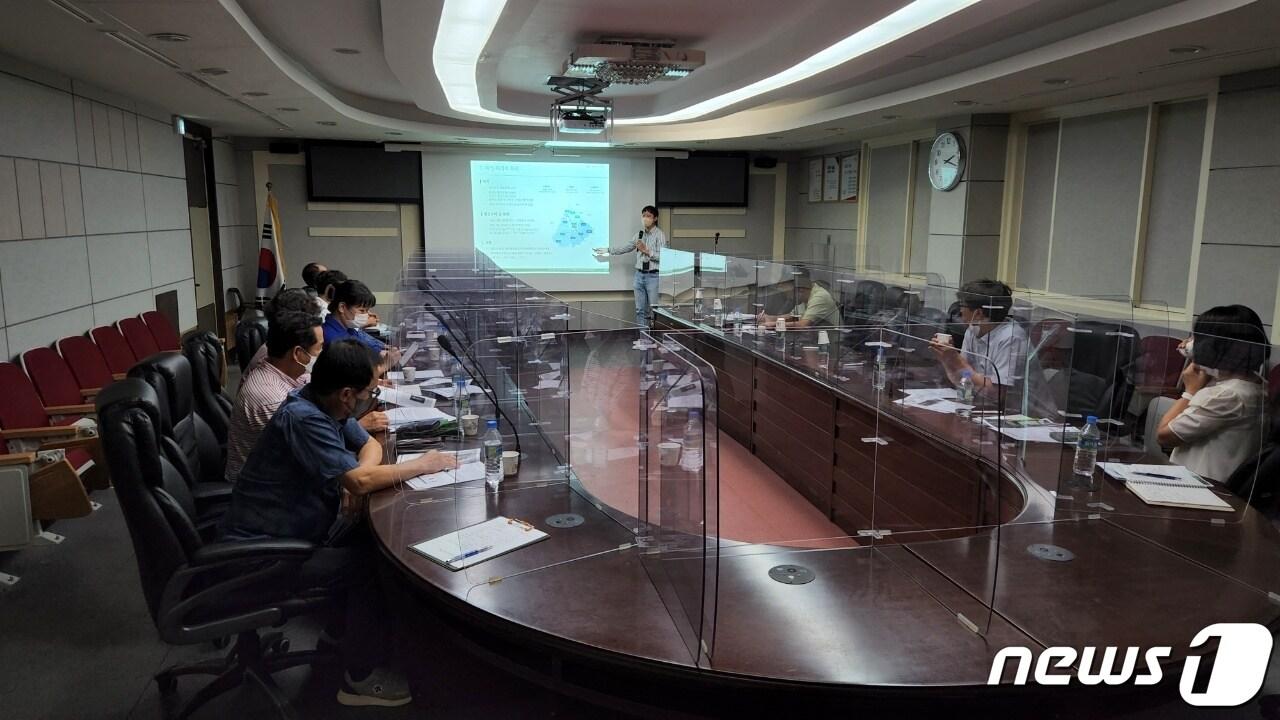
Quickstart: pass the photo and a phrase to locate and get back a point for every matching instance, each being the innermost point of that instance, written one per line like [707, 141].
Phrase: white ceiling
[997, 53]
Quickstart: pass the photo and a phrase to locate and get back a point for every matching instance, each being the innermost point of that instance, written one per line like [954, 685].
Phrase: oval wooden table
[898, 620]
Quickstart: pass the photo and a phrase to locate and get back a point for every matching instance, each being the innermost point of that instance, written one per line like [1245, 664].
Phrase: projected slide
[541, 217]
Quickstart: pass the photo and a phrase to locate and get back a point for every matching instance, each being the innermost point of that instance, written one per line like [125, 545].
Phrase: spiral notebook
[476, 543]
[1167, 485]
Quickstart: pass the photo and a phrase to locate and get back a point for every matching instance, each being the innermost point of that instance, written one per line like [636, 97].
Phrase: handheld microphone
[488, 388]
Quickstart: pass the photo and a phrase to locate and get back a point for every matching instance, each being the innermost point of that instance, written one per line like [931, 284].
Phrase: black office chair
[198, 592]
[251, 334]
[204, 351]
[868, 296]
[1109, 350]
[189, 441]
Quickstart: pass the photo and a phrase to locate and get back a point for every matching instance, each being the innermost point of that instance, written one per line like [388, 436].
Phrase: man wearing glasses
[311, 453]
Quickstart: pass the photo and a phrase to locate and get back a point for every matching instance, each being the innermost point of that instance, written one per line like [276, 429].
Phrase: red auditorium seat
[53, 379]
[114, 349]
[86, 363]
[162, 331]
[24, 417]
[139, 337]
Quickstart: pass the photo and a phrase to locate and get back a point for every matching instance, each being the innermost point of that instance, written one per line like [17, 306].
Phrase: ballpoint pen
[469, 553]
[1156, 475]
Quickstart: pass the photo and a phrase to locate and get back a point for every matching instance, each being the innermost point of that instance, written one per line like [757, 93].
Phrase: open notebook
[1167, 485]
[477, 543]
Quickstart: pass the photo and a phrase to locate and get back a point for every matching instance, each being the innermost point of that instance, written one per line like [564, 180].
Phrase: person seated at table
[995, 347]
[284, 301]
[1221, 419]
[310, 272]
[327, 283]
[294, 341]
[349, 316]
[309, 457]
[814, 305]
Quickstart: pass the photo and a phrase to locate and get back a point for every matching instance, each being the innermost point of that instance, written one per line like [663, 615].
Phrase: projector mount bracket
[579, 108]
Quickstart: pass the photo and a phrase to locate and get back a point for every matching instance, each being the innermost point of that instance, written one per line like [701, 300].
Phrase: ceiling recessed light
[212, 71]
[1057, 81]
[287, 109]
[326, 123]
[169, 37]
[254, 93]
[393, 132]
[346, 51]
[965, 103]
[890, 117]
[1186, 49]
[282, 129]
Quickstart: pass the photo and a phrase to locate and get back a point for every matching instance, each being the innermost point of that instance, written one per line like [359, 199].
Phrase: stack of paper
[940, 400]
[1025, 429]
[397, 417]
[1167, 485]
[405, 396]
[469, 468]
[398, 375]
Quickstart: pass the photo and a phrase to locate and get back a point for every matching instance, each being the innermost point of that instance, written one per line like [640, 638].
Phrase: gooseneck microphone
[487, 387]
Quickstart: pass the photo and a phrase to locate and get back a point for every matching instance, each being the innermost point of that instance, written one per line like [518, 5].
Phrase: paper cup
[410, 374]
[810, 353]
[669, 453]
[942, 338]
[470, 424]
[510, 462]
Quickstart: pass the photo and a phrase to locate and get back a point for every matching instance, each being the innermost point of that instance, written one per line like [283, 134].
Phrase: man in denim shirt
[292, 485]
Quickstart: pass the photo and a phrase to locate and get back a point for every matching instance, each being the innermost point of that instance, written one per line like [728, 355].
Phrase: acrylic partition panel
[679, 493]
[676, 277]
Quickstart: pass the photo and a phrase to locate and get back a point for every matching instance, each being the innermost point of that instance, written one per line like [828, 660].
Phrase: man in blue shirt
[292, 485]
[349, 315]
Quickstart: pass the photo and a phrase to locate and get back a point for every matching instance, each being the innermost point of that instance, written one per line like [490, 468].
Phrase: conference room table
[954, 543]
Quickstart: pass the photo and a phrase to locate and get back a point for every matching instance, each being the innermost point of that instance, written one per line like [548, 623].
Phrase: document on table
[939, 400]
[1026, 429]
[447, 391]
[406, 396]
[398, 375]
[1167, 485]
[469, 468]
[477, 543]
[405, 415]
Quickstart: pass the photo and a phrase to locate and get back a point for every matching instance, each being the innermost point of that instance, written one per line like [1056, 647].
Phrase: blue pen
[470, 553]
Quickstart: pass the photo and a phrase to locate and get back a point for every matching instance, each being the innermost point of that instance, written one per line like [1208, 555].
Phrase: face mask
[310, 364]
[360, 320]
[1186, 348]
[1211, 372]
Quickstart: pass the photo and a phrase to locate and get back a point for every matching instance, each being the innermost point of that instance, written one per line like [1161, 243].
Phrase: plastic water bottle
[1087, 447]
[824, 351]
[717, 312]
[492, 443]
[964, 393]
[881, 375]
[697, 303]
[691, 452]
[461, 397]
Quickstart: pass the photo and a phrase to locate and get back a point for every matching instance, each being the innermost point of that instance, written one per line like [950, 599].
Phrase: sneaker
[383, 688]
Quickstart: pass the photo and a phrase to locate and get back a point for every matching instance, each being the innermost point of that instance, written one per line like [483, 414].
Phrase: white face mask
[1211, 372]
[309, 364]
[1186, 348]
[360, 320]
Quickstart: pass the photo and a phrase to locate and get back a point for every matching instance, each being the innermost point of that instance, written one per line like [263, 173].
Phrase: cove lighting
[465, 27]
[577, 143]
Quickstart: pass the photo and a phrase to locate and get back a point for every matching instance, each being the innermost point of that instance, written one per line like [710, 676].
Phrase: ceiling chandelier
[632, 61]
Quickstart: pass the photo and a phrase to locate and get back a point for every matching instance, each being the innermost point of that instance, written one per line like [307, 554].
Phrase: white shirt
[1000, 354]
[1221, 428]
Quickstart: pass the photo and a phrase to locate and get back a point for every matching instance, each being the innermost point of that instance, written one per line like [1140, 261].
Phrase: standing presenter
[647, 245]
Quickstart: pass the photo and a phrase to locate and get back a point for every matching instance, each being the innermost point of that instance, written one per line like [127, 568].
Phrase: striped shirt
[262, 389]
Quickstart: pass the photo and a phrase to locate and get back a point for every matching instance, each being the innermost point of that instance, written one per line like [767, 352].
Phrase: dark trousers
[350, 569]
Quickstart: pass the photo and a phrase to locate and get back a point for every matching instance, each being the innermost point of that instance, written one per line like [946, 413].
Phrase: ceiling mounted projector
[579, 109]
[632, 61]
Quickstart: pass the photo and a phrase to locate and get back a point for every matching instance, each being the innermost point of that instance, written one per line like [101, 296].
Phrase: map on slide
[573, 229]
[541, 217]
